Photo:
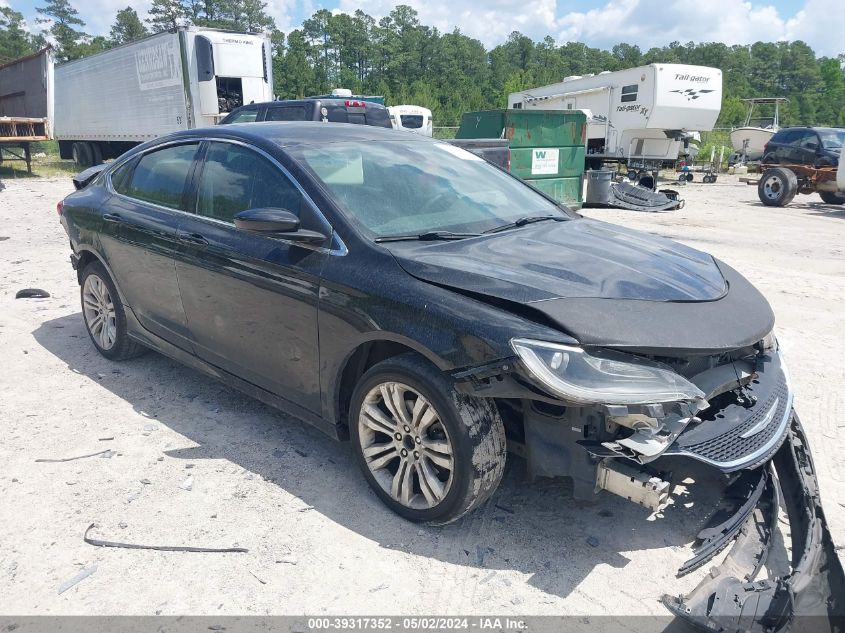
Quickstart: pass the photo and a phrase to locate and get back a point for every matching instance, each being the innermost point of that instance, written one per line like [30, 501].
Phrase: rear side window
[380, 117]
[244, 116]
[120, 177]
[288, 113]
[337, 114]
[235, 178]
[160, 176]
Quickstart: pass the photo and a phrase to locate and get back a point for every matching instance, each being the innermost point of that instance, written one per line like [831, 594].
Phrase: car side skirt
[137, 332]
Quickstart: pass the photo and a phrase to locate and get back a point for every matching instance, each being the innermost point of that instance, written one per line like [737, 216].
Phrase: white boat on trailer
[750, 140]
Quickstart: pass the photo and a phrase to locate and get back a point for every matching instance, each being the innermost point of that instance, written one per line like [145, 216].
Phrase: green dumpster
[547, 147]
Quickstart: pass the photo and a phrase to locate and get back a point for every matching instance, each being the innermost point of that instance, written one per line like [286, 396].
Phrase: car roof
[290, 133]
[814, 129]
[326, 100]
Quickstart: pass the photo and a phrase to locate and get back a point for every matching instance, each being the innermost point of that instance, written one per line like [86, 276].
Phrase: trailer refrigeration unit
[185, 78]
[641, 116]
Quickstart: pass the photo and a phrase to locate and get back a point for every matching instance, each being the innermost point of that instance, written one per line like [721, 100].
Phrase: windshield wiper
[429, 236]
[528, 219]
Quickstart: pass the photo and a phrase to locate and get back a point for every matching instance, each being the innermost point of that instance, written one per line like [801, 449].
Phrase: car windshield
[399, 187]
[832, 139]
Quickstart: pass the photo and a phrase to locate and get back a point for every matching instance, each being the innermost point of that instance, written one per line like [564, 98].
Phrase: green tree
[127, 27]
[14, 40]
[62, 19]
[166, 15]
[251, 16]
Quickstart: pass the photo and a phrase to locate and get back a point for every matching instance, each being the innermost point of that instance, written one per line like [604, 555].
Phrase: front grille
[729, 450]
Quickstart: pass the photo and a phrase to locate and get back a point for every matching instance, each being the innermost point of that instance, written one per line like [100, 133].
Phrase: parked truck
[640, 116]
[188, 77]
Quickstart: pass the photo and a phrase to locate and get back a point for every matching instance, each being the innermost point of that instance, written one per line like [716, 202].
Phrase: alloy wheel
[405, 445]
[98, 308]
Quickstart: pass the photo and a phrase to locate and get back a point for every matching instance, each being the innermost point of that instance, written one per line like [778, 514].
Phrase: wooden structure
[16, 136]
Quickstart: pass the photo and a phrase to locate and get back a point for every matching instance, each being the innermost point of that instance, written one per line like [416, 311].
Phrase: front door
[251, 300]
[140, 241]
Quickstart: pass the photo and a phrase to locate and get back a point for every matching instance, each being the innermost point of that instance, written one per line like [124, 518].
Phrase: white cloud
[820, 23]
[646, 23]
[657, 22]
[643, 22]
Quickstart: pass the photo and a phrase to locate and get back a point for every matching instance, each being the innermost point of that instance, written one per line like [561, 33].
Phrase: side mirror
[280, 222]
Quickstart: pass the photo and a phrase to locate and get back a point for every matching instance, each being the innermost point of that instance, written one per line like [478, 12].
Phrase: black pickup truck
[356, 111]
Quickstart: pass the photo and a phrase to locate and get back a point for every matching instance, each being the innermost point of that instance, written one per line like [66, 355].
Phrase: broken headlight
[604, 377]
[769, 342]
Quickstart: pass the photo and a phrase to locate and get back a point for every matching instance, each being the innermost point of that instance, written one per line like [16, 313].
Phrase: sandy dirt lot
[195, 463]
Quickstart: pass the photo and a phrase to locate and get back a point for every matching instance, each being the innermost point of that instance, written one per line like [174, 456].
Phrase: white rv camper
[641, 115]
[412, 118]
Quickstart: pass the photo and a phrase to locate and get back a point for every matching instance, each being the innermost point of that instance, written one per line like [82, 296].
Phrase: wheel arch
[86, 255]
[364, 355]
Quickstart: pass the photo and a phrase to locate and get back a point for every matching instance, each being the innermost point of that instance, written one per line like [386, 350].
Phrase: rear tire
[777, 187]
[105, 316]
[96, 154]
[83, 156]
[431, 454]
[832, 197]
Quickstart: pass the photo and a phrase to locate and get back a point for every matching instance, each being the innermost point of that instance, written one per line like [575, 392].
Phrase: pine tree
[127, 27]
[14, 40]
[62, 18]
[166, 15]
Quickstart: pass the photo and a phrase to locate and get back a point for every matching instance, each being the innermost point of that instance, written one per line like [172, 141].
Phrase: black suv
[313, 109]
[817, 146]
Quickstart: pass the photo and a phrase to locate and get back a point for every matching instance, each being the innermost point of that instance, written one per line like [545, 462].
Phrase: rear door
[140, 241]
[251, 300]
[808, 148]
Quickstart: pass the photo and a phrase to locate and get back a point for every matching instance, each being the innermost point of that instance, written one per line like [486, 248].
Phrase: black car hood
[602, 284]
[572, 259]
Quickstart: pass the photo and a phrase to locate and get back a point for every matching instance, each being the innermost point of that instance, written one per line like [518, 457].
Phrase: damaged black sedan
[437, 312]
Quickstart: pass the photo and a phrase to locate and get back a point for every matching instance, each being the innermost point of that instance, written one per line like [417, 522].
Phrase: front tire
[431, 454]
[105, 316]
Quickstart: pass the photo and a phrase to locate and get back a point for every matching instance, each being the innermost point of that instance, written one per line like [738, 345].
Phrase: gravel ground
[195, 463]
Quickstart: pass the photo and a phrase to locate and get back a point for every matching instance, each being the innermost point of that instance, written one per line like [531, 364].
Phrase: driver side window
[235, 178]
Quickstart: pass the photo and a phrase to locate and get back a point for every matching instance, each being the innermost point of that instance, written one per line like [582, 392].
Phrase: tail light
[354, 104]
[509, 158]
[60, 206]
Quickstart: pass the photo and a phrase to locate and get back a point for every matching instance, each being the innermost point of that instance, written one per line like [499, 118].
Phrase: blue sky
[596, 22]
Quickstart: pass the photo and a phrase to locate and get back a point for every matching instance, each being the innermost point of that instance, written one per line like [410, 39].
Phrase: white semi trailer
[175, 80]
[640, 116]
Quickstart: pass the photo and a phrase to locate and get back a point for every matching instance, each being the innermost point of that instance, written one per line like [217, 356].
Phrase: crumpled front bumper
[812, 596]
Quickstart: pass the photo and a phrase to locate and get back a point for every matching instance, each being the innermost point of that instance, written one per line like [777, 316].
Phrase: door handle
[113, 217]
[192, 238]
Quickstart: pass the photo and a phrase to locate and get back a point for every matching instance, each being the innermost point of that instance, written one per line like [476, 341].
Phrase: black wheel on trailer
[832, 197]
[690, 177]
[82, 154]
[96, 154]
[777, 187]
[632, 174]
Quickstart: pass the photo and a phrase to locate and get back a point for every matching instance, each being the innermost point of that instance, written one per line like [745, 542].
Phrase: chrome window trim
[338, 247]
